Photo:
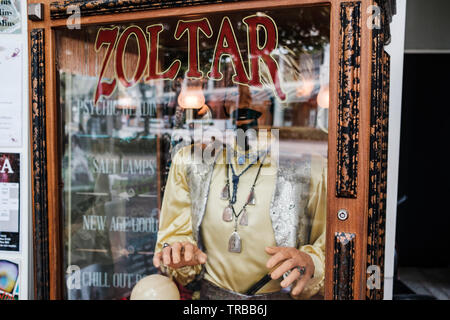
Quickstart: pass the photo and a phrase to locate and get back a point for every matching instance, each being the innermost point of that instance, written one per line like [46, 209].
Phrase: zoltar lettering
[146, 68]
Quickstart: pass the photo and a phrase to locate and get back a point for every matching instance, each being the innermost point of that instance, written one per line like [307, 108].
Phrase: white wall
[396, 50]
[427, 26]
[24, 257]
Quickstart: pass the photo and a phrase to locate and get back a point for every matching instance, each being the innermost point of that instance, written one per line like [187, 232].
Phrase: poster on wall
[9, 201]
[11, 56]
[10, 19]
[9, 280]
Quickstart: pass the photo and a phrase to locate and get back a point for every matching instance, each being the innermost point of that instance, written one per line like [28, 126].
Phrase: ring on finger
[301, 270]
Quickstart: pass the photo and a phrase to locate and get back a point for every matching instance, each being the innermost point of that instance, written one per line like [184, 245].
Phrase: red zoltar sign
[226, 45]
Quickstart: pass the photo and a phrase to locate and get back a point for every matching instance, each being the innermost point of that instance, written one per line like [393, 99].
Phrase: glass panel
[134, 97]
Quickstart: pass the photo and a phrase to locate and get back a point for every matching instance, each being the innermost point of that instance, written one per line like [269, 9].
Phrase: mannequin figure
[226, 225]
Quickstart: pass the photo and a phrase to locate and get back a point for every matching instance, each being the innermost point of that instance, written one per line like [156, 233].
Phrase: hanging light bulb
[305, 89]
[323, 101]
[125, 102]
[191, 98]
[323, 98]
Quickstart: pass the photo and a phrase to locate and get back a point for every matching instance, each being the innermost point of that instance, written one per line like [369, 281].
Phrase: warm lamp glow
[126, 102]
[305, 89]
[323, 99]
[191, 98]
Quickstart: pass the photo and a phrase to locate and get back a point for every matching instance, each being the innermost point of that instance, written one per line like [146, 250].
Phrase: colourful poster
[9, 201]
[9, 280]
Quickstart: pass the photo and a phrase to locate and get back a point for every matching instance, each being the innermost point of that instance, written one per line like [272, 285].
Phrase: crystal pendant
[225, 195]
[234, 244]
[241, 160]
[244, 218]
[251, 198]
[227, 215]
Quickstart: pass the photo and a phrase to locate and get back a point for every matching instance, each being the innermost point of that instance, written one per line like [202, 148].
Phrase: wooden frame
[378, 146]
[357, 131]
[40, 217]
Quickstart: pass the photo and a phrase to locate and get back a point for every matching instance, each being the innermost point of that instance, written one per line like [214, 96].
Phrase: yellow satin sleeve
[317, 210]
[175, 223]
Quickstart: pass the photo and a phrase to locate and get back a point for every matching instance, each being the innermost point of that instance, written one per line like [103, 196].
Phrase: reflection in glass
[117, 152]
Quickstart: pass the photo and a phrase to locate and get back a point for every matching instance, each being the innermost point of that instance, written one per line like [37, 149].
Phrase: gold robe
[239, 271]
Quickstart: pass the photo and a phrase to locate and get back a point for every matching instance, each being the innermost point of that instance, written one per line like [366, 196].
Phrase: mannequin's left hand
[288, 259]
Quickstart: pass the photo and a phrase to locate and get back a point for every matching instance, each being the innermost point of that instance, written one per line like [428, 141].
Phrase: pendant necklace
[235, 242]
[241, 158]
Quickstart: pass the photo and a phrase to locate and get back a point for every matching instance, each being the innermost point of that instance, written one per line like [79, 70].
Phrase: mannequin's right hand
[178, 255]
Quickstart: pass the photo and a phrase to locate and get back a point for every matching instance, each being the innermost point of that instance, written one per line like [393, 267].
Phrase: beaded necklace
[235, 242]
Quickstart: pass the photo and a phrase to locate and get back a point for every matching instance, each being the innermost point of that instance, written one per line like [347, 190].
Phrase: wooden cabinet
[327, 57]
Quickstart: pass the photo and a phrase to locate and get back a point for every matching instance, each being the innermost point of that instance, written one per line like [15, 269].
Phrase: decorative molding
[388, 10]
[64, 8]
[39, 160]
[379, 124]
[344, 266]
[349, 100]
